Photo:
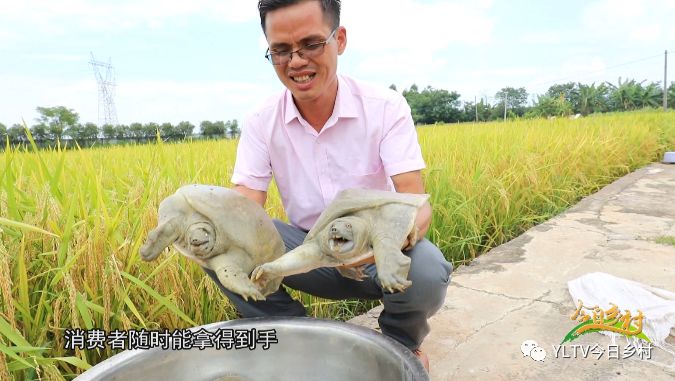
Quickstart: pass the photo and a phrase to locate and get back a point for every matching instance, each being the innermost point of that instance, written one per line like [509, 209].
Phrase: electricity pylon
[106, 91]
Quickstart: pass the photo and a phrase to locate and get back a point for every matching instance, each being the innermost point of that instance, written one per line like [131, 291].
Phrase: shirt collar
[345, 105]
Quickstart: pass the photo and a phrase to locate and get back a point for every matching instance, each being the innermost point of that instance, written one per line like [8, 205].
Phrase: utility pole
[665, 81]
[506, 98]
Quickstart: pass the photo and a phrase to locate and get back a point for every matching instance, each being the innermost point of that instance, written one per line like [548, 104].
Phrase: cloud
[634, 21]
[188, 100]
[581, 68]
[136, 101]
[581, 65]
[56, 57]
[545, 37]
[57, 16]
[408, 40]
[486, 81]
[407, 69]
[407, 25]
[22, 94]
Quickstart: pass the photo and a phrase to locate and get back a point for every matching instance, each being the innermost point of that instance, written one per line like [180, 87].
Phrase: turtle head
[200, 238]
[345, 234]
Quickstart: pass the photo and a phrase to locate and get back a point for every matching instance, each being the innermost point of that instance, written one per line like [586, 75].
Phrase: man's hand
[258, 196]
[412, 238]
[365, 261]
[411, 182]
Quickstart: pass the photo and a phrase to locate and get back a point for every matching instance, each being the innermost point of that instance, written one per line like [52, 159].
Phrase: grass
[666, 240]
[72, 222]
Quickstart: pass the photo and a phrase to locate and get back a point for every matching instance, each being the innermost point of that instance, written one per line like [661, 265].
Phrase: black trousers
[405, 314]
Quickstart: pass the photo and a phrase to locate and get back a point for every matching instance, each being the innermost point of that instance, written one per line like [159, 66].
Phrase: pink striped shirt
[369, 137]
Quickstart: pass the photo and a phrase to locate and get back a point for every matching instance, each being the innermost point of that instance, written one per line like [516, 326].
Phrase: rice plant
[72, 222]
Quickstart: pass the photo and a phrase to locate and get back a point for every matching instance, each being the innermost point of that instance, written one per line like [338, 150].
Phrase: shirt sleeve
[399, 149]
[252, 167]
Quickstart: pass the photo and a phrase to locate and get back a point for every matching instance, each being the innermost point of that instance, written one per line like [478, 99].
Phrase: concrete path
[518, 291]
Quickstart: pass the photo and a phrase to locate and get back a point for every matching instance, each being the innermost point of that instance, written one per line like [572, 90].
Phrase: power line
[589, 74]
[485, 97]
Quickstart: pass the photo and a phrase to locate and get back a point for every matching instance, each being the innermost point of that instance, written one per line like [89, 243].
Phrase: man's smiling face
[293, 27]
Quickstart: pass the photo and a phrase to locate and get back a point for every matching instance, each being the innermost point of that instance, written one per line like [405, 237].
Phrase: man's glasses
[308, 51]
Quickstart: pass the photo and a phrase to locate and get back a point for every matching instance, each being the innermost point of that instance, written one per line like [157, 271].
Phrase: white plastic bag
[657, 305]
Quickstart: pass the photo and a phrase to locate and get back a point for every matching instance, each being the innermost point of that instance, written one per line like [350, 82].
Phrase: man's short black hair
[331, 9]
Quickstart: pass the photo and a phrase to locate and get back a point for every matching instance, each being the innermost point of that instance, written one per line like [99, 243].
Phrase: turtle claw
[393, 272]
[254, 296]
[260, 273]
[264, 277]
[394, 283]
[256, 274]
[250, 292]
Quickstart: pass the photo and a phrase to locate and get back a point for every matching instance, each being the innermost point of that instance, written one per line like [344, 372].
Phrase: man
[326, 133]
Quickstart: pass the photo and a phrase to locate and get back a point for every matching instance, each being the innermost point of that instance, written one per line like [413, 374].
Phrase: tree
[470, 108]
[75, 132]
[211, 129]
[219, 128]
[150, 129]
[205, 127]
[551, 106]
[650, 96]
[485, 110]
[393, 87]
[89, 131]
[57, 120]
[122, 132]
[108, 131]
[39, 132]
[411, 96]
[80, 133]
[17, 134]
[3, 133]
[136, 130]
[569, 91]
[167, 130]
[544, 107]
[591, 99]
[184, 129]
[671, 95]
[516, 99]
[433, 105]
[232, 129]
[625, 95]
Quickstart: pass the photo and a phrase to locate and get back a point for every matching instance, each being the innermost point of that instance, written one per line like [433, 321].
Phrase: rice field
[72, 222]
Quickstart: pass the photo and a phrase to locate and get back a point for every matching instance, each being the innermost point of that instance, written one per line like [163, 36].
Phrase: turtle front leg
[228, 267]
[160, 238]
[302, 259]
[392, 265]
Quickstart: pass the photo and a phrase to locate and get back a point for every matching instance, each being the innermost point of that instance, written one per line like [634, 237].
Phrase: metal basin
[306, 349]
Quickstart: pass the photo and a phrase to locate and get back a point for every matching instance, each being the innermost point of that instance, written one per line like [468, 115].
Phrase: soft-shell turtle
[222, 230]
[358, 224]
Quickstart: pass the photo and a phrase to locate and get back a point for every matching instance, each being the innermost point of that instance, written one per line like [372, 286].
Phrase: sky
[177, 60]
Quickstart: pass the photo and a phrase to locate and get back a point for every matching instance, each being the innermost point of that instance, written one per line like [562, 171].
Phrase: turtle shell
[236, 217]
[350, 201]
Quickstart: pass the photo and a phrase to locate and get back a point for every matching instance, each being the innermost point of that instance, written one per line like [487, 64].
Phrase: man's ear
[341, 38]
